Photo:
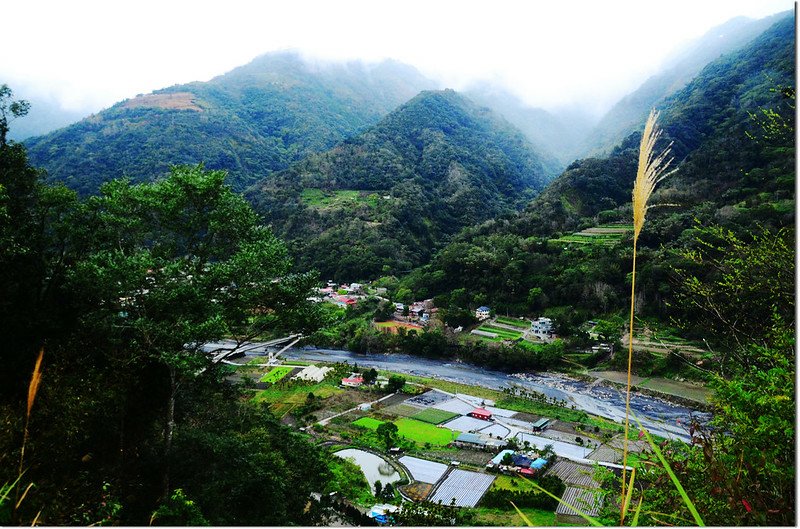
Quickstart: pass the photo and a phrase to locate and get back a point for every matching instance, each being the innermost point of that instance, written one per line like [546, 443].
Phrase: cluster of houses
[343, 295]
[509, 461]
[418, 311]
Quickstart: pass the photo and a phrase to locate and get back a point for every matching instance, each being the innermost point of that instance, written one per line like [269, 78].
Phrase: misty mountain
[682, 66]
[730, 171]
[560, 134]
[251, 121]
[385, 199]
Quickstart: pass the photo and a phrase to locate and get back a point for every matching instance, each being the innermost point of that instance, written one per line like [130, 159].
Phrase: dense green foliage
[120, 289]
[435, 165]
[501, 498]
[256, 119]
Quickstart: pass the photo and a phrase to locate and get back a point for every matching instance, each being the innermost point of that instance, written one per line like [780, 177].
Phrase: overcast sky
[89, 55]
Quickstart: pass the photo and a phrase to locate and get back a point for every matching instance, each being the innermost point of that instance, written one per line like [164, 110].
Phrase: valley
[342, 292]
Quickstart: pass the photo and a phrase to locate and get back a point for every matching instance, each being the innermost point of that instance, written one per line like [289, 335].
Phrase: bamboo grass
[650, 171]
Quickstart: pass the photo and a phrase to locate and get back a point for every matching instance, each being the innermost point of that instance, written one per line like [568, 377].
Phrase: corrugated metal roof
[423, 470]
[580, 498]
[466, 488]
[574, 474]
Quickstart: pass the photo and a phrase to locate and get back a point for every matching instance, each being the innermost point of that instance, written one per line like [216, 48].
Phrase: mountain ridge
[253, 120]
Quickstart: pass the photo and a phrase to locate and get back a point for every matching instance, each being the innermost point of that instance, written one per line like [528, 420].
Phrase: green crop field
[422, 432]
[509, 517]
[368, 422]
[317, 198]
[521, 324]
[417, 431]
[434, 416]
[276, 374]
[283, 400]
[512, 483]
[506, 334]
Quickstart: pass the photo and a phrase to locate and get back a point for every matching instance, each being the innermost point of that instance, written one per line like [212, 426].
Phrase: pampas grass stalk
[651, 170]
[33, 388]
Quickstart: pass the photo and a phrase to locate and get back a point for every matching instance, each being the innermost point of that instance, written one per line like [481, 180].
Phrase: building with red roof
[481, 413]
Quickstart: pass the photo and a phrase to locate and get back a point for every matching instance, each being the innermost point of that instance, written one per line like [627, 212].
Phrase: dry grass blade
[650, 171]
[27, 489]
[36, 379]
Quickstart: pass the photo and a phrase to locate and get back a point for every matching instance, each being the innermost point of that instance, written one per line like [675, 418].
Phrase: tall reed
[33, 388]
[651, 170]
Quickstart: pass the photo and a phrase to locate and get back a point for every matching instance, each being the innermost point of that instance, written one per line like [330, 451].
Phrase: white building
[482, 313]
[542, 327]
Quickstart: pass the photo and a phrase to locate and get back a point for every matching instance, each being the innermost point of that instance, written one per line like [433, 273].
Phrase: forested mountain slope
[558, 133]
[251, 121]
[630, 112]
[730, 172]
[384, 200]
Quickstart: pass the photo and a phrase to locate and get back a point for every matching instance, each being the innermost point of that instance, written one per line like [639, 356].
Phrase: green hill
[385, 199]
[251, 121]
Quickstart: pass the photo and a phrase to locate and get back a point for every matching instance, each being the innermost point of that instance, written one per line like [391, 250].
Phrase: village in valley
[416, 439]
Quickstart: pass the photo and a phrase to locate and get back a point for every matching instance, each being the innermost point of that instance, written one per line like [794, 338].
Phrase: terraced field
[520, 324]
[502, 333]
[605, 234]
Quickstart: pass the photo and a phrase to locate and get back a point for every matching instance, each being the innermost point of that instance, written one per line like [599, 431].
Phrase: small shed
[539, 425]
[481, 413]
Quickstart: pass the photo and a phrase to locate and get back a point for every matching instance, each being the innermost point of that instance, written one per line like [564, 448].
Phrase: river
[659, 416]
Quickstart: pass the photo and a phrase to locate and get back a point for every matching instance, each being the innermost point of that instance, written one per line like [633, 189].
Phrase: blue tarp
[539, 463]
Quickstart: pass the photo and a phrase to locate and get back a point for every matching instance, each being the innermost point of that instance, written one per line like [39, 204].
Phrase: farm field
[605, 234]
[434, 416]
[317, 198]
[455, 387]
[283, 400]
[521, 324]
[511, 483]
[502, 334]
[368, 422]
[276, 374]
[417, 431]
[510, 518]
[393, 326]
